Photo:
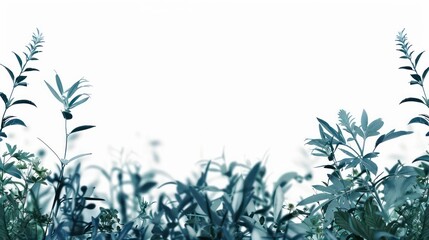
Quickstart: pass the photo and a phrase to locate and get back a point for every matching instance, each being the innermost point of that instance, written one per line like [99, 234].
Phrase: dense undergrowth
[356, 201]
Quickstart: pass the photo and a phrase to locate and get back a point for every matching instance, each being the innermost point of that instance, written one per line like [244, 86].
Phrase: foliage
[356, 201]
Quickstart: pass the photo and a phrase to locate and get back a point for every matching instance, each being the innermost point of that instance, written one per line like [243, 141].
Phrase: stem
[56, 204]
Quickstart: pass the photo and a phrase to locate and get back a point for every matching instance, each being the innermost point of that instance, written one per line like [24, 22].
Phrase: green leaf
[23, 101]
[250, 178]
[316, 198]
[79, 156]
[331, 130]
[406, 68]
[373, 127]
[416, 77]
[31, 69]
[425, 73]
[4, 98]
[67, 115]
[418, 59]
[423, 158]
[278, 202]
[411, 99]
[390, 135]
[14, 121]
[10, 72]
[147, 186]
[20, 78]
[19, 59]
[81, 128]
[364, 120]
[370, 165]
[59, 84]
[419, 120]
[54, 92]
[73, 103]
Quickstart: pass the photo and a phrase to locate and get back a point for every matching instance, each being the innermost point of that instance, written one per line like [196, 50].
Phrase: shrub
[357, 200]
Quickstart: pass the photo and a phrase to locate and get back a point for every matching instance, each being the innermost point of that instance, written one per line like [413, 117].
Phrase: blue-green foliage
[358, 200]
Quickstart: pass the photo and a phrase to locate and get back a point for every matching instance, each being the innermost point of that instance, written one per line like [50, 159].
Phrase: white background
[246, 77]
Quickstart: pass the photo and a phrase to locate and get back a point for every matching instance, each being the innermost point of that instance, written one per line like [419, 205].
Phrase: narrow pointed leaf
[54, 92]
[59, 84]
[81, 128]
[23, 101]
[406, 68]
[4, 98]
[10, 72]
[31, 69]
[418, 58]
[18, 58]
[20, 79]
[390, 135]
[416, 77]
[411, 99]
[423, 158]
[364, 120]
[147, 186]
[14, 121]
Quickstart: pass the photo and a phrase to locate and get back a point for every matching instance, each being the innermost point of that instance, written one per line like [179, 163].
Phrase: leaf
[316, 198]
[20, 78]
[14, 121]
[67, 115]
[31, 69]
[419, 120]
[390, 135]
[406, 68]
[81, 128]
[425, 73]
[331, 130]
[418, 59]
[364, 120]
[59, 84]
[250, 178]
[4, 98]
[411, 99]
[147, 186]
[10, 72]
[370, 165]
[278, 202]
[75, 104]
[54, 92]
[424, 158]
[373, 127]
[416, 77]
[19, 59]
[79, 156]
[23, 101]
[125, 229]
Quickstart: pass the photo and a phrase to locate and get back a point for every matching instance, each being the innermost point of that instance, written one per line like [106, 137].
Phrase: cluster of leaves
[357, 201]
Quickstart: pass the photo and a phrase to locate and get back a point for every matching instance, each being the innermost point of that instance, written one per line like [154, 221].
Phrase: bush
[357, 201]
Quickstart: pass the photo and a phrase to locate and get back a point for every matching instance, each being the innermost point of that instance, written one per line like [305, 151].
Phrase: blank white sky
[250, 76]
